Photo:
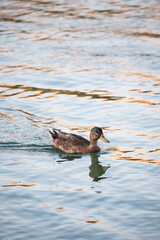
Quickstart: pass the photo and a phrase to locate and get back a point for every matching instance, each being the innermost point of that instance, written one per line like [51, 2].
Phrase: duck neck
[93, 142]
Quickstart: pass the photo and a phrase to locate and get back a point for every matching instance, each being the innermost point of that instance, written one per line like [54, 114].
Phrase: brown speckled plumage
[72, 143]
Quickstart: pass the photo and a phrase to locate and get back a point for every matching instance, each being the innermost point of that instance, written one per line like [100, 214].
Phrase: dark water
[74, 65]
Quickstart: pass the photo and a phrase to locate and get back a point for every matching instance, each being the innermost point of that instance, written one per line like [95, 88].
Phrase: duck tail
[53, 134]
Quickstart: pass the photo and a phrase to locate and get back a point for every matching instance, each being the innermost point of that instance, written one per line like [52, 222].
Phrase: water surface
[74, 65]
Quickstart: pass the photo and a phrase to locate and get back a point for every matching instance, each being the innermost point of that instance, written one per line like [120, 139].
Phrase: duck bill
[103, 138]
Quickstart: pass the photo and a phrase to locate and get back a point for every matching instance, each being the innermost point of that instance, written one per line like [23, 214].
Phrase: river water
[75, 65]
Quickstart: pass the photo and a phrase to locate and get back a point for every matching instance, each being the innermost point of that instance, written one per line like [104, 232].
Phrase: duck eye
[97, 132]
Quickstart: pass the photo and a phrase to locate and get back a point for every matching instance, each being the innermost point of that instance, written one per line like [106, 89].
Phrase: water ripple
[90, 94]
[74, 65]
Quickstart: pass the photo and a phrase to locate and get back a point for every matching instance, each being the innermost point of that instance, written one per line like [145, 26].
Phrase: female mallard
[72, 143]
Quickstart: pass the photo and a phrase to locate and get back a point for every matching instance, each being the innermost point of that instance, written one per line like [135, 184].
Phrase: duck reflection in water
[96, 169]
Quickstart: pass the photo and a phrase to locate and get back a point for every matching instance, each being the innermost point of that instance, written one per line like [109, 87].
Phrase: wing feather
[69, 142]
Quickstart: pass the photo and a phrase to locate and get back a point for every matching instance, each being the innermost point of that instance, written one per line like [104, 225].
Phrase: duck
[73, 143]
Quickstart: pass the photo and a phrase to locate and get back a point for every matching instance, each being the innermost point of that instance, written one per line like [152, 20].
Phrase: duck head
[97, 133]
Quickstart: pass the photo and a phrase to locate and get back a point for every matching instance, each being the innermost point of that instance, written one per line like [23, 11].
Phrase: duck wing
[68, 142]
[77, 140]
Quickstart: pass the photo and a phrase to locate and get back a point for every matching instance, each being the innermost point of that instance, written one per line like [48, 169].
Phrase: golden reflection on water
[90, 94]
[18, 184]
[134, 133]
[7, 69]
[50, 93]
[133, 100]
[146, 34]
[121, 155]
[92, 222]
[60, 208]
[78, 189]
[134, 154]
[147, 135]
